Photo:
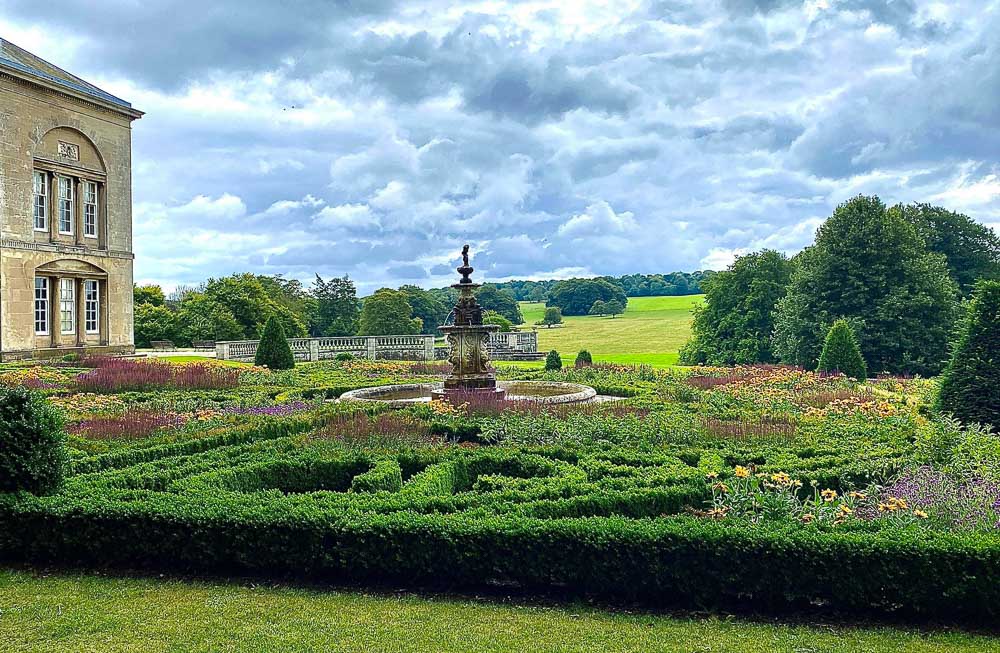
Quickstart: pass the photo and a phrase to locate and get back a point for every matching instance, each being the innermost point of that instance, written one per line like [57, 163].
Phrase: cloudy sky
[374, 137]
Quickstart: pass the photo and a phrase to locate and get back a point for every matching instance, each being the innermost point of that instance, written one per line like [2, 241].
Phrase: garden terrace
[768, 492]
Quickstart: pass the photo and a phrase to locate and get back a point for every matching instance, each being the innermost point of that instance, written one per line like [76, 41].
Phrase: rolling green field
[86, 613]
[651, 331]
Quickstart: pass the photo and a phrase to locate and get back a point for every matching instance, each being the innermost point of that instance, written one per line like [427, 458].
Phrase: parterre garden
[764, 487]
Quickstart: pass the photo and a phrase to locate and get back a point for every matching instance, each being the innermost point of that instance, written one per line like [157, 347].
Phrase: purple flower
[277, 410]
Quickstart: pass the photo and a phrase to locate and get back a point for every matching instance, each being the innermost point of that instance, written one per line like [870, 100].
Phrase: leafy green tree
[972, 249]
[553, 362]
[492, 298]
[33, 454]
[970, 385]
[577, 296]
[735, 324]
[388, 313]
[870, 266]
[552, 316]
[290, 295]
[200, 317]
[583, 359]
[492, 317]
[337, 308]
[151, 294]
[600, 308]
[273, 350]
[247, 298]
[841, 352]
[614, 308]
[538, 294]
[154, 322]
[426, 306]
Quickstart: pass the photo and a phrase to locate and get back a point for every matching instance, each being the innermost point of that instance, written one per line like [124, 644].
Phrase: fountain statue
[469, 339]
[471, 372]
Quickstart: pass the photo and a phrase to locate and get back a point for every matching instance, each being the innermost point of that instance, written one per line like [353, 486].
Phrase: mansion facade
[65, 212]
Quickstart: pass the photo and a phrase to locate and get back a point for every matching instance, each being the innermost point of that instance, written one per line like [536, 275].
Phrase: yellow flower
[857, 495]
[806, 518]
[781, 478]
[718, 513]
[920, 513]
[741, 472]
[844, 509]
[721, 487]
[828, 495]
[711, 475]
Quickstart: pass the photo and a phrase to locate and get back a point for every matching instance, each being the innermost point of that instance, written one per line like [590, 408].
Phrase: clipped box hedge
[607, 523]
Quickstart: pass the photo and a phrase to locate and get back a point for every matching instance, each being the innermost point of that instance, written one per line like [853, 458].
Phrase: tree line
[898, 278]
[238, 307]
[633, 285]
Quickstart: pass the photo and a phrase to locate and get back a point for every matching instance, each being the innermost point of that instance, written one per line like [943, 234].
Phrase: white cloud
[719, 258]
[598, 220]
[689, 131]
[346, 216]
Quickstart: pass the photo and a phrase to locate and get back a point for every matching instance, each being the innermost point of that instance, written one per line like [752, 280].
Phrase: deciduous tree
[870, 266]
[735, 324]
[387, 313]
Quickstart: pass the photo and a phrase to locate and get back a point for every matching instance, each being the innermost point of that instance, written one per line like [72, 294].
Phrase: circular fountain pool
[545, 392]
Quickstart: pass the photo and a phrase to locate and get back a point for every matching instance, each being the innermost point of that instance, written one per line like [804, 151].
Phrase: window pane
[67, 306]
[92, 306]
[90, 209]
[41, 305]
[65, 205]
[41, 197]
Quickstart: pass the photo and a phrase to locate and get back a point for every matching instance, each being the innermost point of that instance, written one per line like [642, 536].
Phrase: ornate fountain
[471, 372]
[469, 339]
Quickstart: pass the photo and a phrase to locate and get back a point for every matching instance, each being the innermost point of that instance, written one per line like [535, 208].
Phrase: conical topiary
[970, 385]
[553, 361]
[841, 352]
[273, 351]
[584, 359]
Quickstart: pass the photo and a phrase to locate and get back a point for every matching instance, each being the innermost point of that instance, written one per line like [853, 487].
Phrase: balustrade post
[313, 350]
[222, 351]
[428, 347]
[370, 342]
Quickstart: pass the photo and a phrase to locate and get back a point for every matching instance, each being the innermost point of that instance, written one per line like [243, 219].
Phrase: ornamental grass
[123, 375]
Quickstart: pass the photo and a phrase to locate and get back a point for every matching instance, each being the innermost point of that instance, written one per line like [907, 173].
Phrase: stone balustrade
[420, 347]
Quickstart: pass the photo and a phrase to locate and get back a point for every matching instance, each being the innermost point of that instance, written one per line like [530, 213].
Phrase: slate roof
[20, 60]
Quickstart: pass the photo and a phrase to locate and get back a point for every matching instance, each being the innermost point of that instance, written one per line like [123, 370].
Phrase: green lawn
[82, 613]
[651, 331]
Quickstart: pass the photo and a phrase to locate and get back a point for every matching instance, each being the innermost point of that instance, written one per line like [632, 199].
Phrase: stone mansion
[65, 212]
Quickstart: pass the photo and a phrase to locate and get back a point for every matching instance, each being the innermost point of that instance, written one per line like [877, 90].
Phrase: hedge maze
[266, 498]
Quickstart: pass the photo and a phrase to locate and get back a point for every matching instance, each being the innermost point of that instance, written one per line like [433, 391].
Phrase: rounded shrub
[273, 351]
[344, 356]
[841, 352]
[583, 359]
[970, 385]
[553, 361]
[32, 443]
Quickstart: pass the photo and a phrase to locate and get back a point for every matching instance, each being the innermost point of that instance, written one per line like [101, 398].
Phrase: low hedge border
[676, 560]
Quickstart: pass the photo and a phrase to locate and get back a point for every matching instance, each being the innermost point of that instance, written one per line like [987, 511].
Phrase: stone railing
[514, 345]
[419, 348]
[525, 342]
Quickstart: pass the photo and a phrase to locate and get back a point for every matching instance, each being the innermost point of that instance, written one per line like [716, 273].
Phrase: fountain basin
[543, 392]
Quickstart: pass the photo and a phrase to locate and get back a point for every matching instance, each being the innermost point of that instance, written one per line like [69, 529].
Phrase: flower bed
[767, 490]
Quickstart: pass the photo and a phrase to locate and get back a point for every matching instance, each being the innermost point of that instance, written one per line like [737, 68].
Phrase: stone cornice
[24, 79]
[10, 243]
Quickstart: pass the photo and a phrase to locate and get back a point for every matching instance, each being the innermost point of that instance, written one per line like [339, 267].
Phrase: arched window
[69, 182]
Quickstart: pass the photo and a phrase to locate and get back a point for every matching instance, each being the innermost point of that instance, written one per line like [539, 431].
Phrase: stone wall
[70, 135]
